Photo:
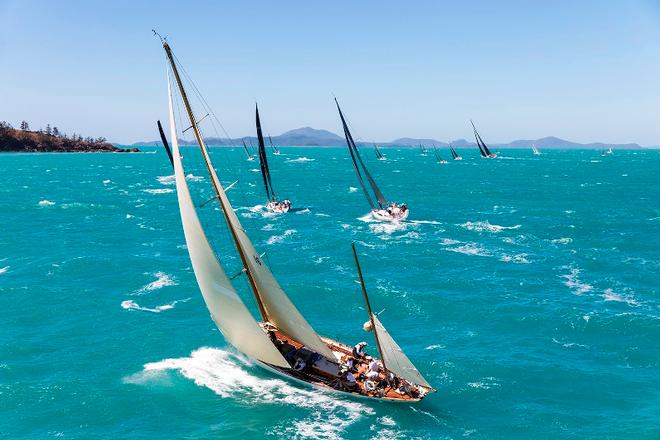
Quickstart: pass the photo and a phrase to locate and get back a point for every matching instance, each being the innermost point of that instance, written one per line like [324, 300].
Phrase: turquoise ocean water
[524, 288]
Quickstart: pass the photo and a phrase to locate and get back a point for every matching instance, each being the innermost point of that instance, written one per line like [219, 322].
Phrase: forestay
[227, 310]
[394, 358]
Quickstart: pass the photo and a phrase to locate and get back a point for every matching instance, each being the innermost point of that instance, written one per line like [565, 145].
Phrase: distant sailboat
[283, 342]
[276, 150]
[437, 156]
[422, 150]
[381, 209]
[273, 205]
[608, 152]
[535, 150]
[249, 154]
[379, 154]
[454, 154]
[483, 149]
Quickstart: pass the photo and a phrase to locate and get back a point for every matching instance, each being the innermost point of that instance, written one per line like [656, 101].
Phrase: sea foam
[228, 375]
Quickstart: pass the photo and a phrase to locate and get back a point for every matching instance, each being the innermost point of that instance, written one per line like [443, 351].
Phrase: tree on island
[25, 126]
[56, 132]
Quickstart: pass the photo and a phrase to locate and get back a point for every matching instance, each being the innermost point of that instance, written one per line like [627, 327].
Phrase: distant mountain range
[308, 136]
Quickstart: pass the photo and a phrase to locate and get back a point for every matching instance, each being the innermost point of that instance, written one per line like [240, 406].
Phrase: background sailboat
[248, 153]
[273, 205]
[535, 150]
[276, 151]
[381, 209]
[483, 149]
[454, 154]
[379, 154]
[439, 159]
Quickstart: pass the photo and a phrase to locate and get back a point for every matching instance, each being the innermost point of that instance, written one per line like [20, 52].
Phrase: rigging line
[203, 101]
[208, 108]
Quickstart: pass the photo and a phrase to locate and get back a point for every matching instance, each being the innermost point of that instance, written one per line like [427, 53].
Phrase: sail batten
[227, 310]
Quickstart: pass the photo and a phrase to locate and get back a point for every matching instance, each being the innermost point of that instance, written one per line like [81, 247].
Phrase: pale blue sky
[585, 71]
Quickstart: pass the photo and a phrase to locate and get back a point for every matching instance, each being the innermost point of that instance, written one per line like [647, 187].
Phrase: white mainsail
[274, 304]
[278, 307]
[227, 310]
[394, 358]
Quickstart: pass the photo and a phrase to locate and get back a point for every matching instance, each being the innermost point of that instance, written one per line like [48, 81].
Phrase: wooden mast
[366, 300]
[200, 141]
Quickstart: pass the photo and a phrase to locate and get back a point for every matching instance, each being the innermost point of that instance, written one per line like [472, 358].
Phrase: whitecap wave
[352, 189]
[486, 226]
[132, 305]
[563, 240]
[485, 383]
[434, 347]
[228, 375]
[107, 181]
[4, 269]
[45, 202]
[470, 249]
[518, 258]
[573, 282]
[279, 238]
[171, 180]
[159, 191]
[300, 159]
[162, 280]
[610, 295]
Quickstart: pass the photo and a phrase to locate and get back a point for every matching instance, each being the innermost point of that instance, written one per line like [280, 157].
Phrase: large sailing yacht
[381, 209]
[283, 341]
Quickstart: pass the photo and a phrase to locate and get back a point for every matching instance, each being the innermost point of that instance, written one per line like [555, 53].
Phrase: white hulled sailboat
[274, 204]
[381, 209]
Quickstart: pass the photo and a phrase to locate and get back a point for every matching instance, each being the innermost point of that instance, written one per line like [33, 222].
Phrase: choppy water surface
[525, 289]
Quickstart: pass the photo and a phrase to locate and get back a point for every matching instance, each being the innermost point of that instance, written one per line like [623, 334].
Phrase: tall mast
[200, 141]
[366, 300]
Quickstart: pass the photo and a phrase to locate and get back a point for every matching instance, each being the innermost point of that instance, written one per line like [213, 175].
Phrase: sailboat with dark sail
[276, 151]
[483, 149]
[249, 154]
[381, 209]
[454, 154]
[283, 342]
[273, 205]
[438, 159]
[379, 154]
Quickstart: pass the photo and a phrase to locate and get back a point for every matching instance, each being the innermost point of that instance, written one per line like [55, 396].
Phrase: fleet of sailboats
[282, 341]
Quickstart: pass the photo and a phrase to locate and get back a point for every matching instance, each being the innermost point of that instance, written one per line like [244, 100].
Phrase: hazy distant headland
[308, 136]
[51, 140]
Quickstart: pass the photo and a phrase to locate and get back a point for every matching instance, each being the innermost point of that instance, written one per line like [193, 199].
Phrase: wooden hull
[325, 376]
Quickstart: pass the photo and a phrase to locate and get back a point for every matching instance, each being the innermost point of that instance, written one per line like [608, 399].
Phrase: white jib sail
[394, 358]
[279, 308]
[227, 310]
